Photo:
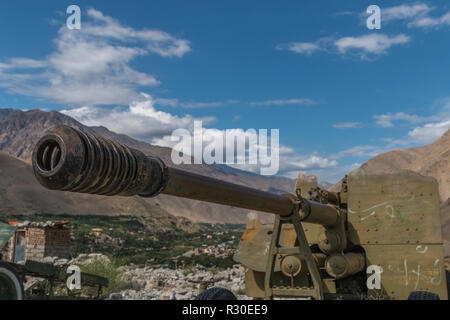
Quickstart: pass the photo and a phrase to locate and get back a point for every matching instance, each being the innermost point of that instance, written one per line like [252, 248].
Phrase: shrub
[110, 271]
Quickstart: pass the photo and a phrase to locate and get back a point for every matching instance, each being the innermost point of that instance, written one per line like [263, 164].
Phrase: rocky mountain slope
[19, 131]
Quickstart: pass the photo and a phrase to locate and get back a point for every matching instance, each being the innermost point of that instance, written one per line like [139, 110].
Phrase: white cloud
[212, 104]
[166, 102]
[193, 104]
[416, 15]
[215, 104]
[428, 133]
[172, 102]
[289, 160]
[428, 22]
[300, 47]
[22, 63]
[91, 66]
[374, 43]
[433, 128]
[304, 101]
[156, 41]
[386, 120]
[140, 119]
[421, 135]
[402, 12]
[346, 125]
[292, 162]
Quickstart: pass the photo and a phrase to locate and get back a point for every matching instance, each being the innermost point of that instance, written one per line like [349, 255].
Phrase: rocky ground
[167, 284]
[82, 259]
[156, 283]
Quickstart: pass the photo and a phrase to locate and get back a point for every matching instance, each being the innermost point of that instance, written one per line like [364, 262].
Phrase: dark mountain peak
[4, 113]
[20, 130]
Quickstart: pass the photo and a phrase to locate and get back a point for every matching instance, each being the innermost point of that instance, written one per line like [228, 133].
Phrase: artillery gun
[379, 236]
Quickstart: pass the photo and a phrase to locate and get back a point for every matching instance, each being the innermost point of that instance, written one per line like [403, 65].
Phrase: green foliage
[136, 240]
[210, 261]
[188, 270]
[110, 271]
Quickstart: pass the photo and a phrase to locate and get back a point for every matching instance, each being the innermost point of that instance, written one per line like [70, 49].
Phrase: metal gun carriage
[13, 275]
[378, 236]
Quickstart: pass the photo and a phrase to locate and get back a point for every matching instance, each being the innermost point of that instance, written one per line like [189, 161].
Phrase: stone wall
[35, 247]
[47, 242]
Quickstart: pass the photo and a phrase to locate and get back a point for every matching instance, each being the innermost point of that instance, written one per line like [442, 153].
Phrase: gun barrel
[68, 159]
[194, 186]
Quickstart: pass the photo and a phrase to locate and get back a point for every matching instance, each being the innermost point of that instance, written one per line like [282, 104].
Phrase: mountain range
[20, 193]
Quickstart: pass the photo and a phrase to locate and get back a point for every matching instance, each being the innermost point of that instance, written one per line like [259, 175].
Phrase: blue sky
[338, 92]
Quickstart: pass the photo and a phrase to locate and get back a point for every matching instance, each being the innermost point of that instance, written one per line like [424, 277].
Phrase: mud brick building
[36, 240]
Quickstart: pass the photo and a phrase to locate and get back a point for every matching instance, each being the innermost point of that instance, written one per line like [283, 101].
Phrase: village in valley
[138, 263]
